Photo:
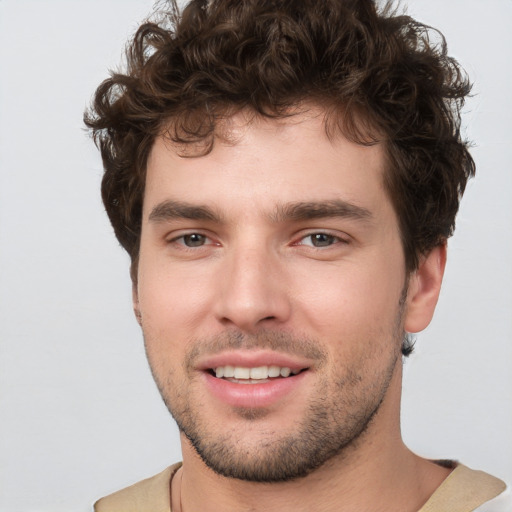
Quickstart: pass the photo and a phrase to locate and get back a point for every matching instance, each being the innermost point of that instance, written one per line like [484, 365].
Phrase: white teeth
[285, 372]
[274, 371]
[229, 371]
[261, 372]
[256, 373]
[242, 373]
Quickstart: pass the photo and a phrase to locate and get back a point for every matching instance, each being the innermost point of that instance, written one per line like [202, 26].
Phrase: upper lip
[253, 359]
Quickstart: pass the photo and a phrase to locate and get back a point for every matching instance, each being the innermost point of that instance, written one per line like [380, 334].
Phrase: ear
[135, 302]
[424, 288]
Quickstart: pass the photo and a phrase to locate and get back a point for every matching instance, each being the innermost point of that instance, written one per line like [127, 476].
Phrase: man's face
[278, 254]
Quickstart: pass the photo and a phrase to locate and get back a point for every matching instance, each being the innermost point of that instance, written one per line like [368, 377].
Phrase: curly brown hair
[379, 76]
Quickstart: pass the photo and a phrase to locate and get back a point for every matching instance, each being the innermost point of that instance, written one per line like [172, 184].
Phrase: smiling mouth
[255, 375]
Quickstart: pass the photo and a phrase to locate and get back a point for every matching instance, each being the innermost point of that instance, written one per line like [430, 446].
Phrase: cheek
[171, 299]
[351, 302]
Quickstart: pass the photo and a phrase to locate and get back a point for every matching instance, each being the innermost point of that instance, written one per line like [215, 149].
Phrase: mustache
[272, 340]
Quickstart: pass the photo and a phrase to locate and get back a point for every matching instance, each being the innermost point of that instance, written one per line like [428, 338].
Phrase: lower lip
[254, 395]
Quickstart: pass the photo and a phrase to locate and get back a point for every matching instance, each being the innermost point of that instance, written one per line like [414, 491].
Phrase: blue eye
[323, 239]
[320, 240]
[194, 240]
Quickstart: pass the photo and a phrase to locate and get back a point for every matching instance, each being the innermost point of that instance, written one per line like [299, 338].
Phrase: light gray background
[79, 414]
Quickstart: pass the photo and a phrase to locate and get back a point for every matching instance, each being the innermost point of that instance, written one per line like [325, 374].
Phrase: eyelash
[180, 240]
[332, 240]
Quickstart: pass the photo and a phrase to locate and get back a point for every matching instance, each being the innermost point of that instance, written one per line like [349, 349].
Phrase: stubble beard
[336, 417]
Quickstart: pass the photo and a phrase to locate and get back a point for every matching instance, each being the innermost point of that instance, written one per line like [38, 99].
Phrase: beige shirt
[464, 490]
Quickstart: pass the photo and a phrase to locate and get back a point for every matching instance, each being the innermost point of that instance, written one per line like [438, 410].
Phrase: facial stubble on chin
[333, 421]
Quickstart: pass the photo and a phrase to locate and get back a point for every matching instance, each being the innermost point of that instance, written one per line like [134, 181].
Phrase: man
[285, 176]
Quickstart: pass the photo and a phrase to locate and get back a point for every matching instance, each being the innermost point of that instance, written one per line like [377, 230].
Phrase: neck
[377, 472]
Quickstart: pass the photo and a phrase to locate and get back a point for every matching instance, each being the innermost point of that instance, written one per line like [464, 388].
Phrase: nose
[252, 290]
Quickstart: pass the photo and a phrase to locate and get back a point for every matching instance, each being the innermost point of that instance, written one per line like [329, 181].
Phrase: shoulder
[465, 490]
[149, 495]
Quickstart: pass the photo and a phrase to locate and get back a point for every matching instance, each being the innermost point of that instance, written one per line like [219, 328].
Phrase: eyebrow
[311, 210]
[169, 210]
[299, 211]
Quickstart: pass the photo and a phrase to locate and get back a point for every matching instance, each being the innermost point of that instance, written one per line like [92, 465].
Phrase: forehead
[258, 160]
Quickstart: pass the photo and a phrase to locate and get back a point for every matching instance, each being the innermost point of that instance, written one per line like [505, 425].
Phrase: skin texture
[237, 264]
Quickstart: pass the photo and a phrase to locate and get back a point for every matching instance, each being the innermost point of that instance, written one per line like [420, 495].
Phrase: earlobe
[424, 289]
[135, 302]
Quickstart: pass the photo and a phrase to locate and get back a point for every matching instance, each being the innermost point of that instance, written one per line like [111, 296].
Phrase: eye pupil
[321, 239]
[194, 240]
